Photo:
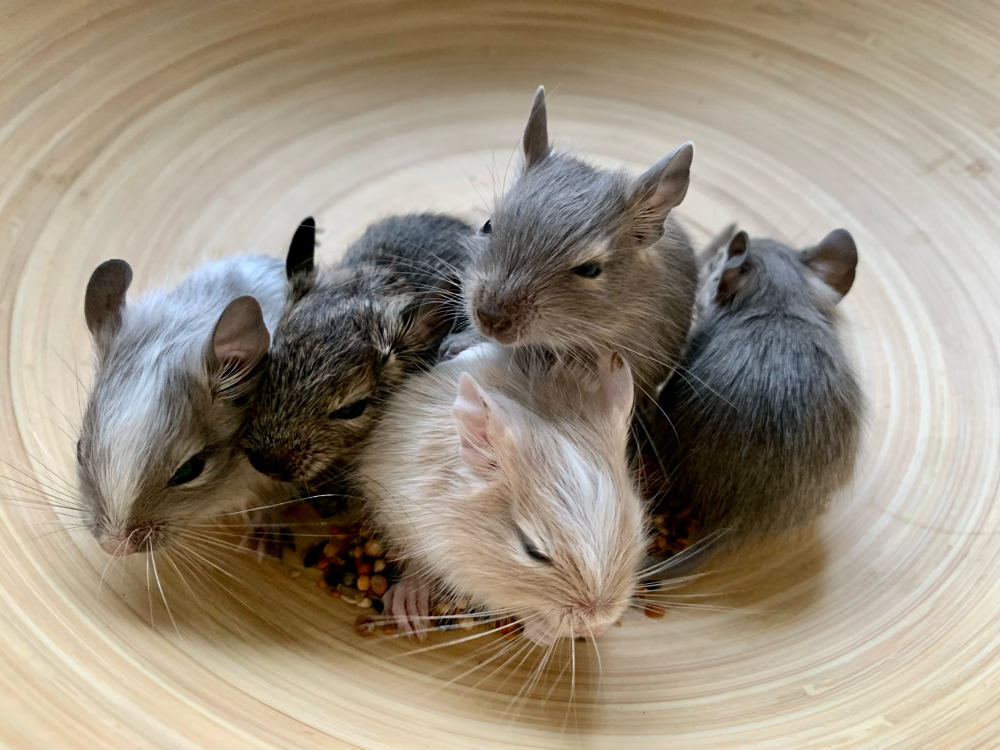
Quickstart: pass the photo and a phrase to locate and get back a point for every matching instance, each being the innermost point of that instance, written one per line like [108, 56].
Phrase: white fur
[561, 479]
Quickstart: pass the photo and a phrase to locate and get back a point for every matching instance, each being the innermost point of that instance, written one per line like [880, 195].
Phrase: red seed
[364, 568]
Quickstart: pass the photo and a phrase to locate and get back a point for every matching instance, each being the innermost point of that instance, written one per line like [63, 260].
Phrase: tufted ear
[536, 133]
[658, 191]
[480, 424]
[735, 268]
[104, 303]
[300, 267]
[238, 343]
[432, 314]
[834, 260]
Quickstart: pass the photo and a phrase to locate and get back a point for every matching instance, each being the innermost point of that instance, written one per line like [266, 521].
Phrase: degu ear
[734, 269]
[617, 388]
[104, 303]
[432, 314]
[238, 344]
[658, 191]
[300, 267]
[834, 260]
[536, 133]
[480, 425]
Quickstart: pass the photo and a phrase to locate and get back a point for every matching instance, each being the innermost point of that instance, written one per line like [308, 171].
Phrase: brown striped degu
[764, 423]
[158, 450]
[350, 334]
[579, 258]
[509, 487]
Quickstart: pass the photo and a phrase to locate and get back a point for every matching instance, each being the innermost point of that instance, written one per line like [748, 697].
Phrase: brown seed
[374, 548]
[349, 595]
[334, 593]
[378, 566]
[655, 610]
[365, 626]
[364, 568]
[357, 551]
[363, 583]
[379, 585]
[390, 628]
[323, 563]
[330, 550]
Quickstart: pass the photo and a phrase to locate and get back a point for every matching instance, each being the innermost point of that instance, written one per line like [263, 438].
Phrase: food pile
[355, 567]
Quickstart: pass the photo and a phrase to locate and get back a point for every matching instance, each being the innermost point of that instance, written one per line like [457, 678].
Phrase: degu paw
[408, 603]
[456, 343]
[265, 534]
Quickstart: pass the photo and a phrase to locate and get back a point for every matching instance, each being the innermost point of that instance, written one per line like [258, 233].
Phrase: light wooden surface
[165, 133]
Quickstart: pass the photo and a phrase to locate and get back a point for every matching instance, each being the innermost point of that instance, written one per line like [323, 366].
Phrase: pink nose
[596, 629]
[117, 545]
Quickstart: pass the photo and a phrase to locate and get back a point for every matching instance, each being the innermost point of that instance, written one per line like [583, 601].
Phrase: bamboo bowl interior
[166, 133]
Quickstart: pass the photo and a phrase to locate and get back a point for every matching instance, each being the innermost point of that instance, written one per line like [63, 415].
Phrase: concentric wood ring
[169, 132]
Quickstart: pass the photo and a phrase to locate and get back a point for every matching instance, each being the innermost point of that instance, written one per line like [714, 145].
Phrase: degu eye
[190, 470]
[351, 411]
[487, 227]
[532, 551]
[588, 270]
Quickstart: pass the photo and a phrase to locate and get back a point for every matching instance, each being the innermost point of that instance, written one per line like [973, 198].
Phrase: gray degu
[482, 391]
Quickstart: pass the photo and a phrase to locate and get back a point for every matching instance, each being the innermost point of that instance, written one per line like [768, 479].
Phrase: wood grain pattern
[169, 132]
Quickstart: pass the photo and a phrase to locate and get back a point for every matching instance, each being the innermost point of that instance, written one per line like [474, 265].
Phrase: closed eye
[532, 551]
[351, 411]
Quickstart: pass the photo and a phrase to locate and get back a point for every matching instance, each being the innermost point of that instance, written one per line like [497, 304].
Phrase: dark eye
[532, 551]
[588, 270]
[191, 469]
[351, 411]
[487, 227]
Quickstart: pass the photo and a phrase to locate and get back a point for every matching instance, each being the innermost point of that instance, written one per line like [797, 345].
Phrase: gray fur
[563, 213]
[351, 333]
[161, 395]
[765, 413]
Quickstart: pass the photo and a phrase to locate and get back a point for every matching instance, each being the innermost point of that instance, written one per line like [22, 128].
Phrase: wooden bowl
[166, 133]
